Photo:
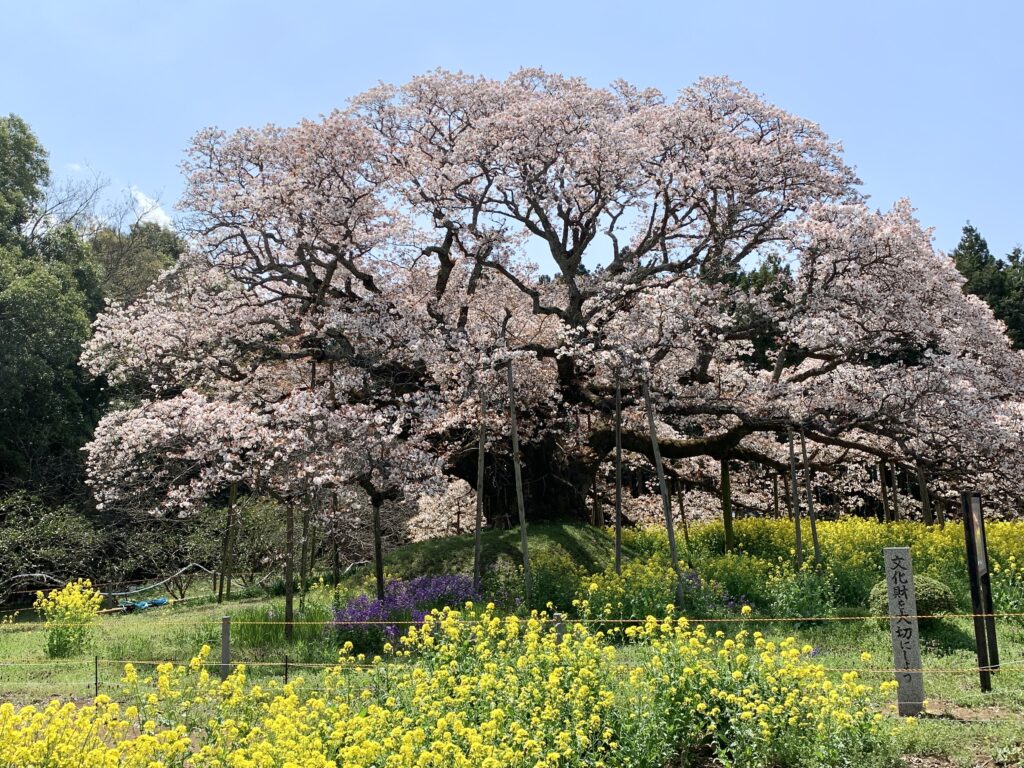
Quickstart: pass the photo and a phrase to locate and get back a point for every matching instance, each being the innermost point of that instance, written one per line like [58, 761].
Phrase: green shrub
[807, 593]
[555, 578]
[1008, 588]
[933, 598]
[643, 589]
[742, 576]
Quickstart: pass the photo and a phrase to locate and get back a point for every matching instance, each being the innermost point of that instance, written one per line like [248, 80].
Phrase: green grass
[964, 727]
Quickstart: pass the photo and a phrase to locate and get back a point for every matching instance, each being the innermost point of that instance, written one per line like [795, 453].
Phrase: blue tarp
[131, 606]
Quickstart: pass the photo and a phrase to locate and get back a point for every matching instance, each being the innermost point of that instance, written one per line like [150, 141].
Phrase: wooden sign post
[981, 588]
[906, 640]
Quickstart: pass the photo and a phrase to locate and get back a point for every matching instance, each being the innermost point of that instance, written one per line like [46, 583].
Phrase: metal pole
[225, 647]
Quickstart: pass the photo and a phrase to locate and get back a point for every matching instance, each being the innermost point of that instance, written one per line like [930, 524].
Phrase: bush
[555, 578]
[1008, 588]
[70, 613]
[807, 593]
[502, 584]
[933, 599]
[643, 589]
[742, 576]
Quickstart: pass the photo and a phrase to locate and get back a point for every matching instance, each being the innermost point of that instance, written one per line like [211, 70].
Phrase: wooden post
[289, 572]
[518, 472]
[286, 669]
[618, 476]
[233, 523]
[727, 504]
[681, 493]
[906, 640]
[895, 491]
[378, 545]
[478, 524]
[794, 492]
[225, 647]
[775, 493]
[808, 482]
[96, 675]
[666, 503]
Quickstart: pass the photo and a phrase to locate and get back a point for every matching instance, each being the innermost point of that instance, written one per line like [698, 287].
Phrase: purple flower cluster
[367, 620]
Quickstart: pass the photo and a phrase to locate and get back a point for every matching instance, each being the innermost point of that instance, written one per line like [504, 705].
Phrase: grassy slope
[968, 728]
[588, 546]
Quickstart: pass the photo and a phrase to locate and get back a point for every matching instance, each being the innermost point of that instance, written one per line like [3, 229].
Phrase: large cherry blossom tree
[357, 283]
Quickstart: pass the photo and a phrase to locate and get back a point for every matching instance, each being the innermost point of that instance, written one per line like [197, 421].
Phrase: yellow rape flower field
[476, 689]
[625, 680]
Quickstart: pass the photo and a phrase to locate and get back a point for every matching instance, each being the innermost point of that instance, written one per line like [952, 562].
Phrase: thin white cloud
[75, 167]
[151, 210]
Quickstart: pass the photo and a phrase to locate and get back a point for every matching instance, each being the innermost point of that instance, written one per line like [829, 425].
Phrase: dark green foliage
[933, 598]
[555, 578]
[130, 260]
[23, 173]
[37, 538]
[1000, 283]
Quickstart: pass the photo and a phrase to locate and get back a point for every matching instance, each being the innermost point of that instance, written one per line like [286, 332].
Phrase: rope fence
[750, 619]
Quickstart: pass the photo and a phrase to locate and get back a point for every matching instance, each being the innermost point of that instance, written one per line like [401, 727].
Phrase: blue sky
[927, 97]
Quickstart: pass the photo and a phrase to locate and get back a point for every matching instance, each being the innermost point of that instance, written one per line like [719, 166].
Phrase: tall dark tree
[999, 283]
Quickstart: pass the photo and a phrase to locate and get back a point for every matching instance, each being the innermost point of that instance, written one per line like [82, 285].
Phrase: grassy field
[963, 726]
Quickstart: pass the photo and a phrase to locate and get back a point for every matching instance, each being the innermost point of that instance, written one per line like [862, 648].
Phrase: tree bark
[663, 486]
[479, 522]
[808, 481]
[794, 494]
[520, 503]
[727, 505]
[618, 476]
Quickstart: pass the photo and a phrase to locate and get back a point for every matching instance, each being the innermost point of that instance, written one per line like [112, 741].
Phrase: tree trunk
[794, 495]
[727, 505]
[663, 486]
[808, 481]
[940, 511]
[378, 546]
[926, 502]
[478, 524]
[520, 503]
[618, 476]
[289, 572]
[886, 515]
